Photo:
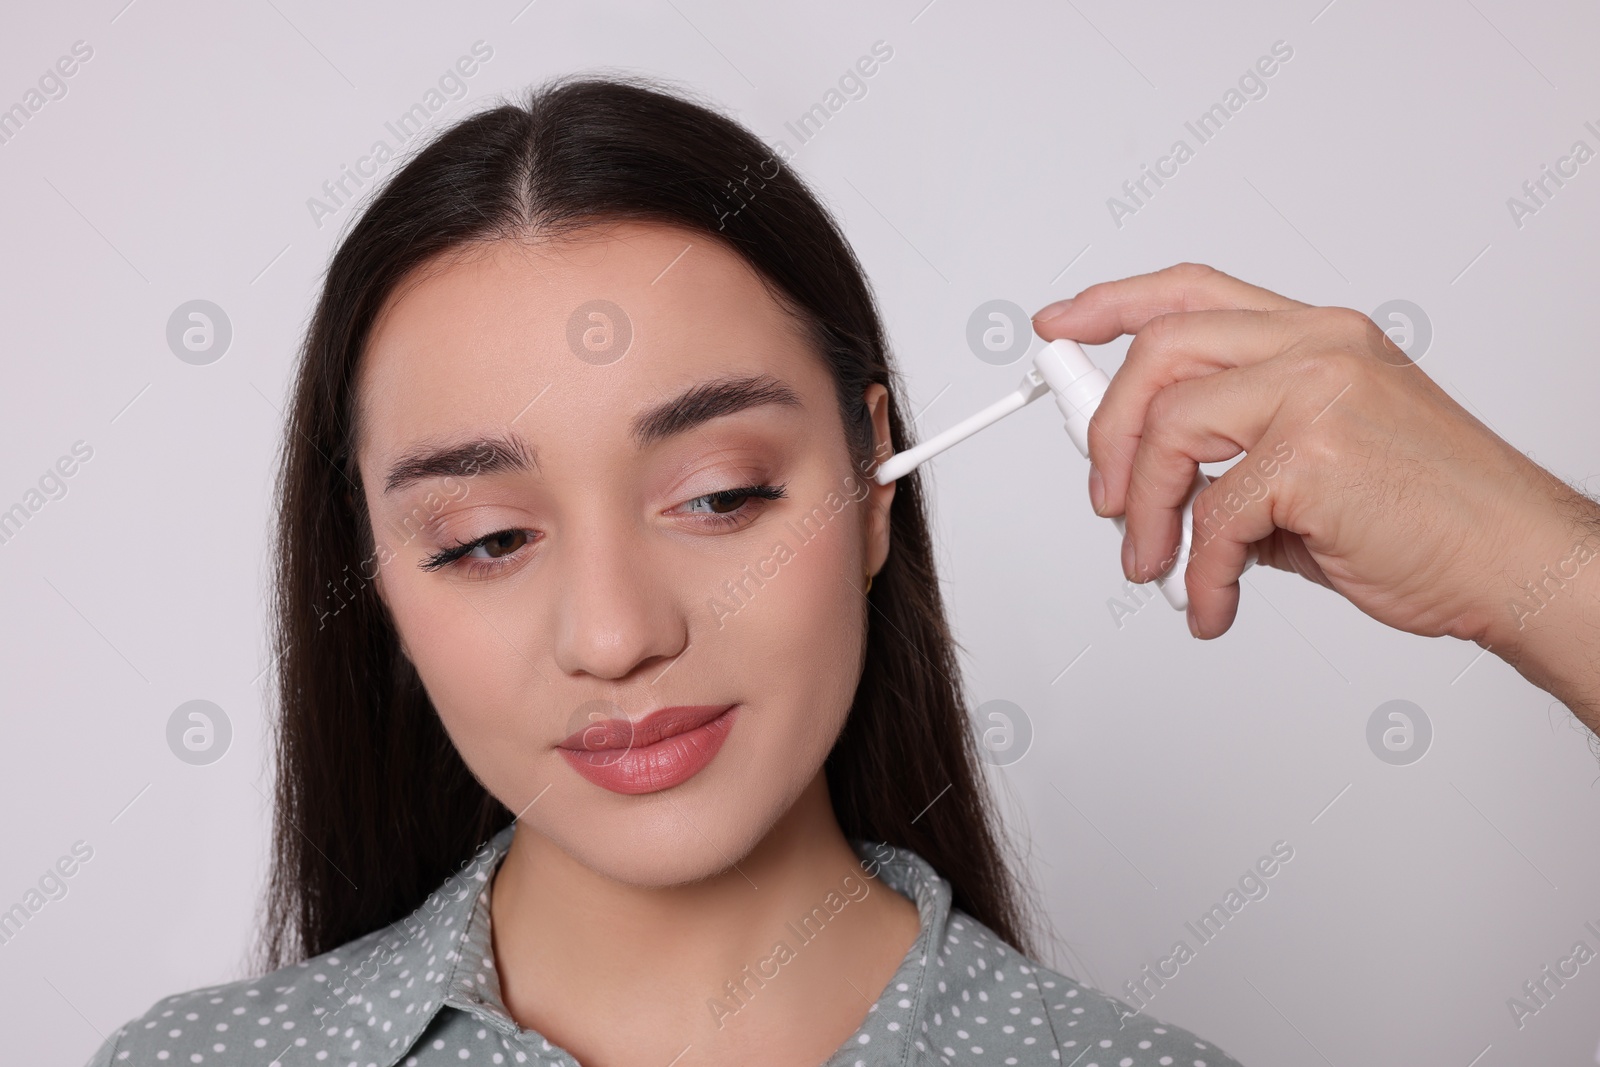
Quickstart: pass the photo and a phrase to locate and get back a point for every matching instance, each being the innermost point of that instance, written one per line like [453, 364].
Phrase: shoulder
[984, 995]
[245, 1022]
[375, 993]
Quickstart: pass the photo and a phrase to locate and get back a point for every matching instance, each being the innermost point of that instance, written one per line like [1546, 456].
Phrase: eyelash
[479, 568]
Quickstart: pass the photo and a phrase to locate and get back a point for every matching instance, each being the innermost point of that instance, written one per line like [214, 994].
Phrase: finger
[1230, 514]
[1170, 349]
[1200, 420]
[1107, 310]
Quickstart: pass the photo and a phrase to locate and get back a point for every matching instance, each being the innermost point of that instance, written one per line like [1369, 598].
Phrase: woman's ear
[878, 497]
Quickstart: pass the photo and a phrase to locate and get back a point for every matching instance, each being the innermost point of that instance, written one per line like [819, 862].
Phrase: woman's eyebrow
[708, 400]
[484, 455]
[500, 453]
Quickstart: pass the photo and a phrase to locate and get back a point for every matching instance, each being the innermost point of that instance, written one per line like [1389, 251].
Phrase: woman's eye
[729, 506]
[726, 507]
[497, 546]
[502, 543]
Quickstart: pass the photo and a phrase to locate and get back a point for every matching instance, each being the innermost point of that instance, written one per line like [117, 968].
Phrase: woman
[594, 386]
[621, 721]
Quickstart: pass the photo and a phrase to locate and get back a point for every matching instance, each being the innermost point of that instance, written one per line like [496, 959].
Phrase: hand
[1360, 472]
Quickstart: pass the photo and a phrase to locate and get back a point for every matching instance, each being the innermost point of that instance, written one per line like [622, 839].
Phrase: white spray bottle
[1065, 370]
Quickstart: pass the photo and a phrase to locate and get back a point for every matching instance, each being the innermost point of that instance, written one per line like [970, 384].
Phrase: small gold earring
[868, 589]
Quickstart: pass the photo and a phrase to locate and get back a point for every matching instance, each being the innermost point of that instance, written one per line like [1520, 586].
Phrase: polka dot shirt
[424, 992]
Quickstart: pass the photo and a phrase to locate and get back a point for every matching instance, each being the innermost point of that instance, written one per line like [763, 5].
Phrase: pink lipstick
[665, 748]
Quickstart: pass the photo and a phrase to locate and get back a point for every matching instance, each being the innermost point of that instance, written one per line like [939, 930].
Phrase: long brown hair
[374, 806]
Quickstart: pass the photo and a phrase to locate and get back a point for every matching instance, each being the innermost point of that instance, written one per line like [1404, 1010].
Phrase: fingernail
[1129, 560]
[1050, 311]
[1194, 623]
[1097, 490]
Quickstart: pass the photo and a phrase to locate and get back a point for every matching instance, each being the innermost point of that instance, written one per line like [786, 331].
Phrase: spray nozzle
[902, 463]
[1063, 369]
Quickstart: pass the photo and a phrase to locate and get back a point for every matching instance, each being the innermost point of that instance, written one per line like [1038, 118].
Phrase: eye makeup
[738, 508]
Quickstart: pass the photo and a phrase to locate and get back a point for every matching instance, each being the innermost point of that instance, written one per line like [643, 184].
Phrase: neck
[794, 934]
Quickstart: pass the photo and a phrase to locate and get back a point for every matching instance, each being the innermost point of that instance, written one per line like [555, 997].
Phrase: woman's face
[614, 573]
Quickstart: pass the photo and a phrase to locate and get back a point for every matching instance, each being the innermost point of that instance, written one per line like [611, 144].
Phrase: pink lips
[665, 748]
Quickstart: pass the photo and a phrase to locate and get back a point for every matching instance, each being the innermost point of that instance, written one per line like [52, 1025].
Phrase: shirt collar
[901, 1010]
[394, 980]
[448, 940]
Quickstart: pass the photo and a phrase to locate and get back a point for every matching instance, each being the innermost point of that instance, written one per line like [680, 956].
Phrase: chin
[676, 836]
[660, 848]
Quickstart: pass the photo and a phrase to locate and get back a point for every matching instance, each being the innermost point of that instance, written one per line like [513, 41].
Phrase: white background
[977, 166]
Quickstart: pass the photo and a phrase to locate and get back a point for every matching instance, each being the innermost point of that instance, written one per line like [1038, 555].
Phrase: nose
[618, 617]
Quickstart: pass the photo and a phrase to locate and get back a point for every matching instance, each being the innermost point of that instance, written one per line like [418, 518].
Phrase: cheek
[476, 681]
[794, 642]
